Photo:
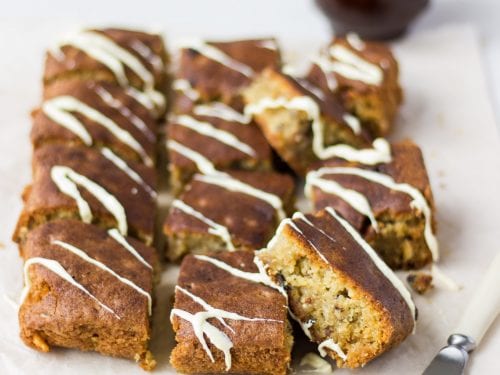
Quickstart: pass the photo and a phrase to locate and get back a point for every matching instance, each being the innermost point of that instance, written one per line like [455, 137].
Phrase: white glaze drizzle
[214, 228]
[60, 271]
[217, 55]
[378, 262]
[353, 122]
[134, 176]
[355, 199]
[419, 202]
[355, 41]
[208, 130]
[155, 107]
[332, 345]
[59, 110]
[268, 44]
[147, 53]
[66, 179]
[115, 234]
[204, 165]
[185, 87]
[201, 326]
[325, 65]
[441, 278]
[115, 57]
[222, 111]
[229, 183]
[83, 255]
[314, 361]
[380, 153]
[135, 120]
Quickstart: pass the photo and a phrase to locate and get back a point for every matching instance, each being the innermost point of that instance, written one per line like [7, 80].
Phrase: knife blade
[481, 311]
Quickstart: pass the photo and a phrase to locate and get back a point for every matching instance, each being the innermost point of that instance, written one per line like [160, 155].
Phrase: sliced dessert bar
[95, 186]
[95, 114]
[132, 59]
[225, 212]
[391, 204]
[87, 288]
[302, 123]
[227, 138]
[346, 299]
[364, 75]
[218, 71]
[229, 318]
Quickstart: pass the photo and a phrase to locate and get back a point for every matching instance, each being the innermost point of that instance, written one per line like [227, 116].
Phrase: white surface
[446, 111]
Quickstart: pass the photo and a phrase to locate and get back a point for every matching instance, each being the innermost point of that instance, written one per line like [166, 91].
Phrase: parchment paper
[446, 111]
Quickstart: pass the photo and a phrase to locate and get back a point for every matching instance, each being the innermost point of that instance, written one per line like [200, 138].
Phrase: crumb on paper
[2, 245]
[316, 364]
[420, 282]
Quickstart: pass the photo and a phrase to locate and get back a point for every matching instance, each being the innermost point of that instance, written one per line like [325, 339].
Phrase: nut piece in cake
[390, 204]
[89, 289]
[95, 114]
[304, 124]
[132, 59]
[224, 212]
[229, 318]
[218, 133]
[364, 75]
[344, 296]
[93, 186]
[218, 71]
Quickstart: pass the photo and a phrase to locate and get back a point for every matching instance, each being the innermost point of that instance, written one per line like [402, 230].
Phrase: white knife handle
[484, 305]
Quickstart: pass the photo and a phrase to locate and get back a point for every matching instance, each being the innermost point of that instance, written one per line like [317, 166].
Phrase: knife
[482, 310]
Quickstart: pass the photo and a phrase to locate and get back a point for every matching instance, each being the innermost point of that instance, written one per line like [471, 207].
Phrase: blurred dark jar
[372, 19]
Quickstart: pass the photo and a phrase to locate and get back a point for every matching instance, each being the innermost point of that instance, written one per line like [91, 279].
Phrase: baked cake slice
[229, 318]
[364, 75]
[89, 289]
[95, 114]
[224, 136]
[218, 71]
[227, 212]
[346, 299]
[304, 124]
[94, 186]
[132, 59]
[390, 204]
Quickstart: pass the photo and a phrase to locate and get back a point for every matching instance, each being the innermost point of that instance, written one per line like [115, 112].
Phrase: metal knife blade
[450, 360]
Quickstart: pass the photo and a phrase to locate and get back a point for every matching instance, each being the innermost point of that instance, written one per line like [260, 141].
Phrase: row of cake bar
[87, 226]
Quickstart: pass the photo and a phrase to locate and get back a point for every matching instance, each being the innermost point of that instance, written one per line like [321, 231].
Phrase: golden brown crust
[56, 313]
[45, 201]
[259, 347]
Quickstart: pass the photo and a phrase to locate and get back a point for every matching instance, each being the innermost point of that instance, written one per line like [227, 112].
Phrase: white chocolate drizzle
[355, 41]
[214, 228]
[147, 54]
[353, 122]
[325, 66]
[83, 255]
[268, 44]
[314, 361]
[208, 130]
[155, 107]
[66, 179]
[59, 110]
[332, 345]
[380, 153]
[202, 328]
[185, 87]
[217, 55]
[204, 165]
[60, 271]
[115, 234]
[222, 111]
[441, 278]
[134, 176]
[378, 262]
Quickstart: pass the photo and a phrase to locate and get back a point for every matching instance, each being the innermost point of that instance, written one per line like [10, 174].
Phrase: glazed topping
[185, 88]
[115, 103]
[268, 44]
[318, 364]
[215, 54]
[332, 345]
[379, 263]
[380, 153]
[207, 129]
[204, 165]
[355, 41]
[353, 122]
[419, 202]
[202, 328]
[59, 110]
[222, 111]
[155, 108]
[326, 65]
[66, 179]
[60, 271]
[114, 57]
[134, 176]
[83, 255]
[148, 54]
[115, 234]
[213, 228]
